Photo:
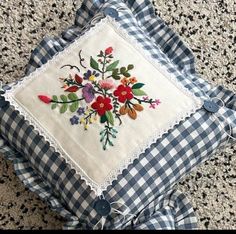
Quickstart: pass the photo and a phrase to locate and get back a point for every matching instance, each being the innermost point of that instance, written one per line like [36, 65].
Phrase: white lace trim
[99, 188]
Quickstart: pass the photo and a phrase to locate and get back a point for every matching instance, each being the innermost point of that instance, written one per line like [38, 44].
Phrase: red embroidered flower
[102, 105]
[108, 50]
[45, 99]
[123, 93]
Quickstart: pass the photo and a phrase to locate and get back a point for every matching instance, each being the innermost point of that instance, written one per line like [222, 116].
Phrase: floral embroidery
[102, 105]
[105, 92]
[88, 92]
[74, 120]
[123, 93]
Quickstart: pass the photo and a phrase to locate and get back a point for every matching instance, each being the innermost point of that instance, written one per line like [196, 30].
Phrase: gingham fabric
[146, 187]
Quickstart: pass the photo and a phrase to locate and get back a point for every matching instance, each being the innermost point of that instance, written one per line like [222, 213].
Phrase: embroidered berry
[45, 99]
[108, 50]
[123, 93]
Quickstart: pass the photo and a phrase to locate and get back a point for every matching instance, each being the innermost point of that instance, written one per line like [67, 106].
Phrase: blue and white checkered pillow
[145, 188]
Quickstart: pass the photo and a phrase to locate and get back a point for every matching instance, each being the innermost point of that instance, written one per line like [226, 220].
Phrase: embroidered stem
[103, 66]
[89, 116]
[72, 82]
[71, 67]
[150, 101]
[116, 105]
[99, 91]
[63, 102]
[106, 134]
[81, 59]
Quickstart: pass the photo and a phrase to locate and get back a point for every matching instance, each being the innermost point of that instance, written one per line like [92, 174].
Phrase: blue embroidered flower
[89, 74]
[80, 111]
[74, 120]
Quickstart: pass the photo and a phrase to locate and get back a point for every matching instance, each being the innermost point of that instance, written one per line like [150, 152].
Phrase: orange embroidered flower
[125, 81]
[133, 80]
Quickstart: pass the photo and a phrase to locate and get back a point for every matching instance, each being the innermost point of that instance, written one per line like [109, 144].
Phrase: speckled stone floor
[208, 26]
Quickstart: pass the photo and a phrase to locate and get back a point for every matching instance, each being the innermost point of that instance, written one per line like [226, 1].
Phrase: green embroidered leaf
[138, 92]
[74, 106]
[54, 106]
[64, 108]
[54, 98]
[72, 96]
[115, 71]
[110, 118]
[130, 66]
[63, 98]
[116, 77]
[112, 65]
[103, 119]
[126, 74]
[93, 64]
[122, 70]
[137, 86]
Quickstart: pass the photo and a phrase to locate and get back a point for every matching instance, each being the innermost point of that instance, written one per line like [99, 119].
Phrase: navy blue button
[210, 106]
[111, 12]
[102, 207]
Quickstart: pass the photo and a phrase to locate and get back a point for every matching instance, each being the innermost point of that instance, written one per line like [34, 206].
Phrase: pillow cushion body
[143, 195]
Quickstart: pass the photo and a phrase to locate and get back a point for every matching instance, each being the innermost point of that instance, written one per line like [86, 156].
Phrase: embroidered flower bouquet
[103, 94]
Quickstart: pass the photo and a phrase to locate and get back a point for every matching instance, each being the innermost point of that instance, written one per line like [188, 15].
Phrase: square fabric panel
[111, 94]
[101, 102]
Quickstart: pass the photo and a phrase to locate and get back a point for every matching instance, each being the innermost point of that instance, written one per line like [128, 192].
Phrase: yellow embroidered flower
[92, 78]
[86, 127]
[82, 120]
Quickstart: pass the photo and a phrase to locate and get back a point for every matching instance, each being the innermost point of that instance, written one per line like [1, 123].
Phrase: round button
[210, 106]
[111, 12]
[102, 207]
[2, 92]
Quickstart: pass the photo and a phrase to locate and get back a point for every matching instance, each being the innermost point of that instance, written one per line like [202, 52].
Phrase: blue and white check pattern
[146, 187]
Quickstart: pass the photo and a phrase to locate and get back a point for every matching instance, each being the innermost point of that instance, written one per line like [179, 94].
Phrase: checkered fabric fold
[146, 187]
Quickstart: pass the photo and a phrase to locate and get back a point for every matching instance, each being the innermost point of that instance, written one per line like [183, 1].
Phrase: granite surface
[207, 26]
